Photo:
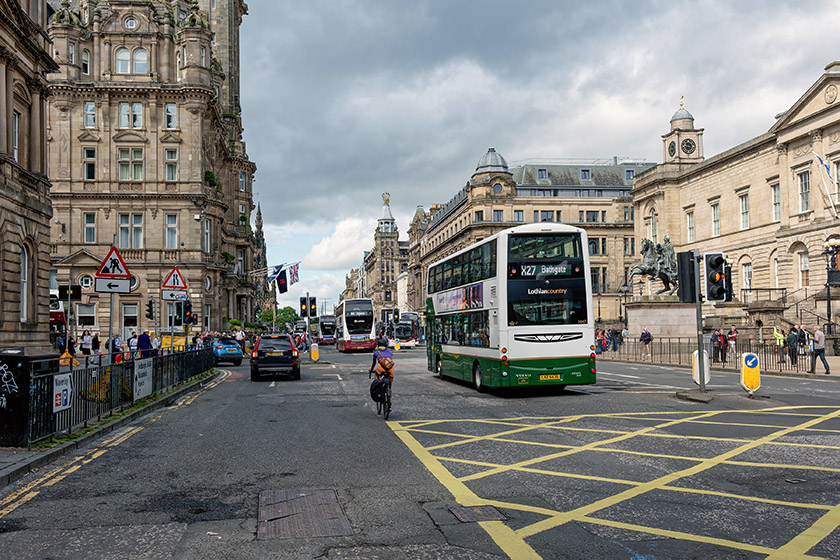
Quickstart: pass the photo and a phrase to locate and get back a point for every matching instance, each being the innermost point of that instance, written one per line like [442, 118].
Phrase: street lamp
[832, 247]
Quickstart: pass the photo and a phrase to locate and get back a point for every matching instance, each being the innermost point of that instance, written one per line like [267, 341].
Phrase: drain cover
[289, 514]
[477, 513]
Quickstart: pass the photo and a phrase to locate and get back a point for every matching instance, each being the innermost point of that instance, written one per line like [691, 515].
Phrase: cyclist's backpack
[386, 363]
[377, 390]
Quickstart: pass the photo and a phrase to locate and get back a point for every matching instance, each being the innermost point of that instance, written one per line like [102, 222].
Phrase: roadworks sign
[113, 266]
[66, 359]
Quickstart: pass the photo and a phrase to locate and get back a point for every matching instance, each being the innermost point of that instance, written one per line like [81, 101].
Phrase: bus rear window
[552, 246]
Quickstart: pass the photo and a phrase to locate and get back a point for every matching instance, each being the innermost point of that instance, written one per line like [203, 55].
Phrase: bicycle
[383, 406]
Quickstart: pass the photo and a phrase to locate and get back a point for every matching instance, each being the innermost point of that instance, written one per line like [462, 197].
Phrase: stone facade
[384, 263]
[146, 151]
[25, 209]
[763, 203]
[592, 194]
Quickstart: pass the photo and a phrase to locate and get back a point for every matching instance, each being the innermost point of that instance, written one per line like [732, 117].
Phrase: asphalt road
[621, 469]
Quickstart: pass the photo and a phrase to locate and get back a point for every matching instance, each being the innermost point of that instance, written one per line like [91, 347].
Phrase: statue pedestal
[664, 316]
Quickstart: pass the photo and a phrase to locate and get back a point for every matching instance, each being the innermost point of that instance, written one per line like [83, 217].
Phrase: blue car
[227, 350]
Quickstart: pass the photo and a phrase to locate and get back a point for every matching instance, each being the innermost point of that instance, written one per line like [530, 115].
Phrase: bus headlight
[504, 374]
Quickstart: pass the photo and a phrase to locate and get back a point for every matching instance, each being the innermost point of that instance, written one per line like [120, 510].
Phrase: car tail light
[295, 353]
[254, 354]
[218, 346]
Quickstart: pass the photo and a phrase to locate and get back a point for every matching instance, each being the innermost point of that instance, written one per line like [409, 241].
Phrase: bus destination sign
[540, 270]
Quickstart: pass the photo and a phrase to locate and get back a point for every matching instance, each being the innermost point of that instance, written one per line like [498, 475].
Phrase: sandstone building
[146, 150]
[25, 209]
[382, 265]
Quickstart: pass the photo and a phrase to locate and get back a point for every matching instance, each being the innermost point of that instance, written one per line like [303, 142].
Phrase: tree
[287, 316]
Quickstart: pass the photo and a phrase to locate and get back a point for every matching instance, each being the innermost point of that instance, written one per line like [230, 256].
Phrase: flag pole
[825, 187]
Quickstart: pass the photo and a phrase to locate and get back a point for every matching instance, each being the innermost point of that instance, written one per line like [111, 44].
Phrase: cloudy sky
[346, 99]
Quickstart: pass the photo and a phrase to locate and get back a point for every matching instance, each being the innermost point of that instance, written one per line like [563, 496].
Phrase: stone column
[106, 55]
[35, 129]
[10, 127]
[4, 102]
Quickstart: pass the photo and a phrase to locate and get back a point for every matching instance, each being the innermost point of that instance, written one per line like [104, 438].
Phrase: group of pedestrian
[798, 342]
[609, 339]
[722, 344]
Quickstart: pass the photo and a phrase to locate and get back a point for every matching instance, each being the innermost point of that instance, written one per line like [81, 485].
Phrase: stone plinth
[663, 316]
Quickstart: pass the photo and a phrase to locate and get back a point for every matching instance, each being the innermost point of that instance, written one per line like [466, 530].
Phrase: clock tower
[684, 143]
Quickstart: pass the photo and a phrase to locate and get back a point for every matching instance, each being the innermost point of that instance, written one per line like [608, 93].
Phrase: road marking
[339, 376]
[272, 384]
[618, 374]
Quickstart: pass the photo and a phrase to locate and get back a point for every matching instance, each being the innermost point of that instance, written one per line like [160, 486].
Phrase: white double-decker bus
[354, 325]
[514, 309]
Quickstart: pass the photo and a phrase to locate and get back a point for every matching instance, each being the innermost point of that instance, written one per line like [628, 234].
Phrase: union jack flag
[293, 274]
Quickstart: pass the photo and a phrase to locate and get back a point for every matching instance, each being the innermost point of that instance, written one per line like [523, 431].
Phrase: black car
[275, 353]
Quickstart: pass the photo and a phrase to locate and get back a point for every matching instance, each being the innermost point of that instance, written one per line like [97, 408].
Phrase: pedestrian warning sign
[174, 281]
[113, 266]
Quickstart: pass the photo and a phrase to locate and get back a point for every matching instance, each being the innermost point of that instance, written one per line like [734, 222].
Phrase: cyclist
[378, 366]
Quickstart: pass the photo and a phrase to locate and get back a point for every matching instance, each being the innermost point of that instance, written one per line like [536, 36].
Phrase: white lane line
[339, 376]
[619, 375]
[333, 366]
[273, 383]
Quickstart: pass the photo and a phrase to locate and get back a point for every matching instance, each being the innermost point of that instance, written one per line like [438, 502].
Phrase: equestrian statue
[659, 262]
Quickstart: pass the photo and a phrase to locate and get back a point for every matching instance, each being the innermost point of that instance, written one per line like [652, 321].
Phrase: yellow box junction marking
[513, 542]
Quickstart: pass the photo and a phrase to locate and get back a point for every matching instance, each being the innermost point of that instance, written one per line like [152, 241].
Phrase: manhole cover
[290, 514]
[477, 513]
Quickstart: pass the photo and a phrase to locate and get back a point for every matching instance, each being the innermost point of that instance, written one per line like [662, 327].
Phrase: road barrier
[65, 399]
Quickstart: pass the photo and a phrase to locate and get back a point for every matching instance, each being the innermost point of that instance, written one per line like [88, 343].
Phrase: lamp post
[832, 247]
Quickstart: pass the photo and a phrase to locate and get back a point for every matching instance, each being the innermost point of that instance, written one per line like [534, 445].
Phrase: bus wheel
[438, 368]
[477, 382]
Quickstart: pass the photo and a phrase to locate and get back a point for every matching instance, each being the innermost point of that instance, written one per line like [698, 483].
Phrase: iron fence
[678, 351]
[100, 390]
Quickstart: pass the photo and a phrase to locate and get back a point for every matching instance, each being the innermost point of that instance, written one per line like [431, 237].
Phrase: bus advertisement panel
[514, 310]
[326, 329]
[354, 325]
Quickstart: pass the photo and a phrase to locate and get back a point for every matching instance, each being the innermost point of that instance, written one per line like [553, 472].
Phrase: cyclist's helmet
[382, 343]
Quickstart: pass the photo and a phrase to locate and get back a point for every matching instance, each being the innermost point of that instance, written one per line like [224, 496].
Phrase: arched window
[86, 62]
[24, 284]
[141, 61]
[178, 65]
[654, 226]
[123, 61]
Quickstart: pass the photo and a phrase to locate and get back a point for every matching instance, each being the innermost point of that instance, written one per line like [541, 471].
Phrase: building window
[123, 61]
[629, 174]
[203, 57]
[542, 174]
[131, 231]
[178, 64]
[71, 53]
[689, 219]
[804, 191]
[207, 317]
[744, 201]
[591, 216]
[90, 227]
[240, 260]
[130, 23]
[24, 284]
[804, 266]
[85, 314]
[171, 160]
[130, 164]
[777, 202]
[131, 115]
[603, 216]
[585, 175]
[629, 246]
[90, 114]
[580, 216]
[171, 231]
[715, 220]
[479, 216]
[518, 216]
[836, 182]
[629, 212]
[597, 245]
[86, 281]
[559, 216]
[141, 61]
[498, 215]
[15, 134]
[206, 235]
[242, 181]
[654, 226]
[85, 62]
[171, 116]
[776, 272]
[89, 163]
[746, 277]
[547, 216]
[124, 115]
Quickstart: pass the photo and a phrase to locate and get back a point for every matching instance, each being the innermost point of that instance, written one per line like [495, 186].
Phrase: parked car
[275, 353]
[227, 350]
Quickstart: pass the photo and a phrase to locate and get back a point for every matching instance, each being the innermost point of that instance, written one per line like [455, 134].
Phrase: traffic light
[313, 309]
[150, 309]
[728, 272]
[177, 320]
[685, 277]
[303, 307]
[715, 277]
[396, 315]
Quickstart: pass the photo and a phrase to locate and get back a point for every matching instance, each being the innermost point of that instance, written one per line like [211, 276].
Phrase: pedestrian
[240, 338]
[646, 339]
[624, 334]
[71, 345]
[723, 344]
[144, 344]
[818, 339]
[779, 348]
[132, 344]
[95, 345]
[84, 346]
[803, 340]
[732, 337]
[116, 347]
[156, 345]
[793, 345]
[715, 339]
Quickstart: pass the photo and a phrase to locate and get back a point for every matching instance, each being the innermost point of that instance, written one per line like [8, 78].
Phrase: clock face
[672, 148]
[688, 146]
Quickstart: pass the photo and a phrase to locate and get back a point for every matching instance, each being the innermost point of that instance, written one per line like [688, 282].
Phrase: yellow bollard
[396, 344]
[313, 352]
[750, 374]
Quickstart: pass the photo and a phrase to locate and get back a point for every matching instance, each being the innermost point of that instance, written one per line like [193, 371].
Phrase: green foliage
[229, 258]
[287, 315]
[210, 178]
[234, 323]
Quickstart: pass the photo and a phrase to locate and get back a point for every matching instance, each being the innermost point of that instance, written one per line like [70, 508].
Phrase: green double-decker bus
[514, 310]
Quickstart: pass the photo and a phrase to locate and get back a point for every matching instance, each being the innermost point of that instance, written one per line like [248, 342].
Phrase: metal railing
[752, 295]
[678, 351]
[102, 390]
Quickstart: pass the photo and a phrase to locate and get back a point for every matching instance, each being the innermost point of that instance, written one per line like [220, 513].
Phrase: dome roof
[681, 114]
[491, 161]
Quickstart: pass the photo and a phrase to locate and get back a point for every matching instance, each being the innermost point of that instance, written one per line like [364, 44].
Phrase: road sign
[113, 266]
[112, 285]
[750, 375]
[695, 375]
[173, 295]
[74, 291]
[174, 281]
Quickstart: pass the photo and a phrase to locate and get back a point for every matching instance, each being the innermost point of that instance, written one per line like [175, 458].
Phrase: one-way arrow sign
[113, 285]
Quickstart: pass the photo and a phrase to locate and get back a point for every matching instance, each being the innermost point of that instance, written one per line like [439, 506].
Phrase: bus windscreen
[358, 317]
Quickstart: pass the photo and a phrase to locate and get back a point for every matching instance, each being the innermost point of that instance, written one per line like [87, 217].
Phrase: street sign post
[173, 295]
[112, 285]
[112, 268]
[174, 281]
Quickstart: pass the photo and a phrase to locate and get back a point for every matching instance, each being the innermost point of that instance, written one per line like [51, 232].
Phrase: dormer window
[130, 23]
[629, 174]
[585, 175]
[542, 173]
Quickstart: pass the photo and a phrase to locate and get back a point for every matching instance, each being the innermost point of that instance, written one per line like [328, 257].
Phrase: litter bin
[17, 368]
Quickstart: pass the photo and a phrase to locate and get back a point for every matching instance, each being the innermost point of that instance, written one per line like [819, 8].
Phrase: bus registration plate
[550, 376]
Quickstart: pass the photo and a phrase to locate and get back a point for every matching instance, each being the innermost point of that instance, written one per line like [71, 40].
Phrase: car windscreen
[274, 344]
[227, 341]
